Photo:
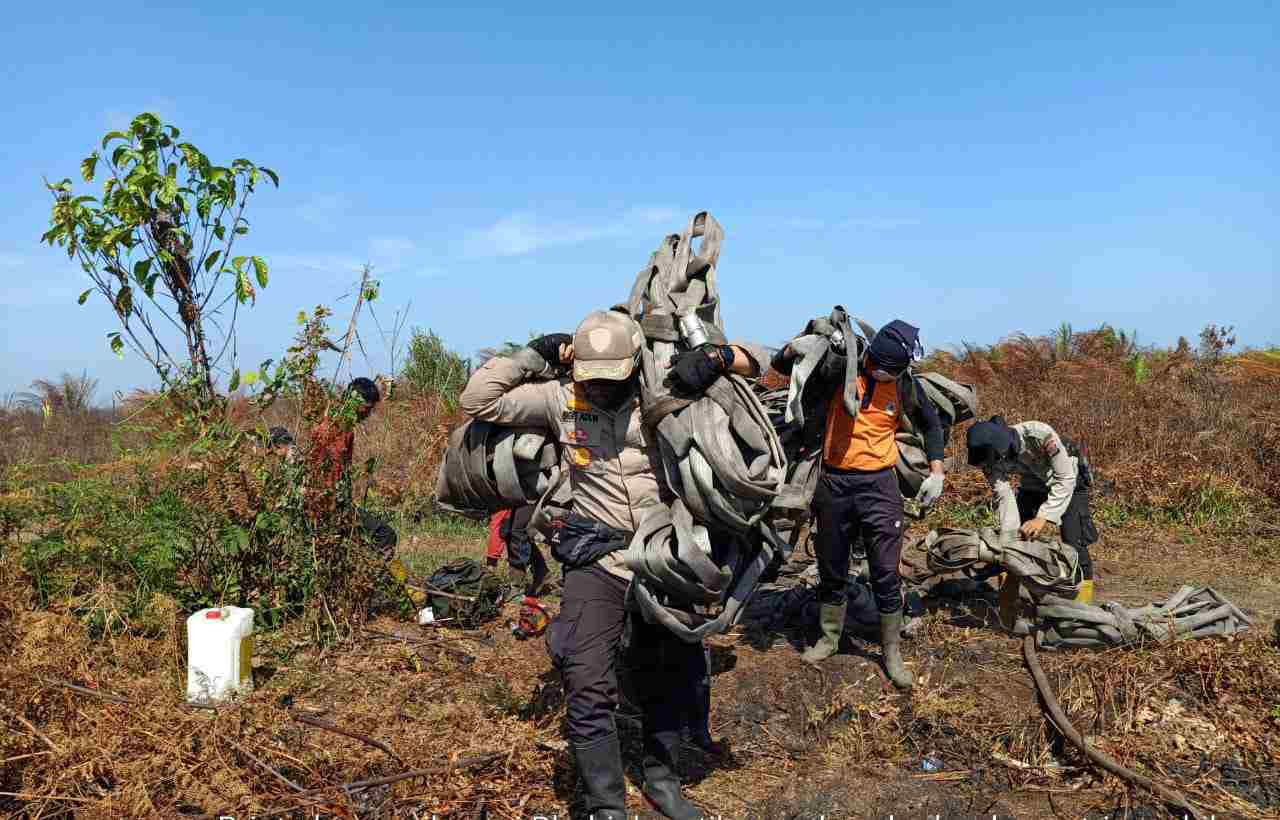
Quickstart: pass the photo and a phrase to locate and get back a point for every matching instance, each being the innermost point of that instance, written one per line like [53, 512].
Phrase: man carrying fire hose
[858, 493]
[614, 468]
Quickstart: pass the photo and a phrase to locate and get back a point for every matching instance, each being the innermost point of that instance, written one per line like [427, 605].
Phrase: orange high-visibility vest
[867, 442]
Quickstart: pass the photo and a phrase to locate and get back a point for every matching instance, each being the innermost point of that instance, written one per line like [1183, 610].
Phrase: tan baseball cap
[606, 346]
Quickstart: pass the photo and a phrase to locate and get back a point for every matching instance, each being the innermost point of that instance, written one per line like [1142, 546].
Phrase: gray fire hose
[693, 627]
[1191, 612]
[956, 402]
[721, 457]
[487, 467]
[1046, 567]
[1051, 574]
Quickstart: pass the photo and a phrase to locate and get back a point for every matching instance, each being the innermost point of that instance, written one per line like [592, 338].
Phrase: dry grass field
[1186, 443]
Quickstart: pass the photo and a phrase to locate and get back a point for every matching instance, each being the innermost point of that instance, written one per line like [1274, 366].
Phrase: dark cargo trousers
[850, 505]
[1077, 522]
[584, 643]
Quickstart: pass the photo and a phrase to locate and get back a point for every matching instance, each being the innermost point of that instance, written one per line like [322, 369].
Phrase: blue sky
[975, 170]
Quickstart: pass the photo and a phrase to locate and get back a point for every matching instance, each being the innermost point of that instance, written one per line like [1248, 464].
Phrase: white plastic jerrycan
[219, 653]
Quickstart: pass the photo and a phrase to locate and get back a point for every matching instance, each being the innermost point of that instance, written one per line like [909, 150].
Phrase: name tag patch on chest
[580, 416]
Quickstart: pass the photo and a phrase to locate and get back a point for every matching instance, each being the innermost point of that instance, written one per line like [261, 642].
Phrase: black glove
[548, 347]
[695, 370]
[784, 360]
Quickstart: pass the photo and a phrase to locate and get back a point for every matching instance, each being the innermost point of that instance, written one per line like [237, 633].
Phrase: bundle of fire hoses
[1050, 572]
[721, 457]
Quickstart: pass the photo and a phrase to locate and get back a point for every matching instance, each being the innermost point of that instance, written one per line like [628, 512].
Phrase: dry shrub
[1201, 715]
[1181, 435]
[408, 435]
[153, 756]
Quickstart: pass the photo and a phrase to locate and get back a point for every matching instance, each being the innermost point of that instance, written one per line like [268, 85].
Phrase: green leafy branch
[158, 244]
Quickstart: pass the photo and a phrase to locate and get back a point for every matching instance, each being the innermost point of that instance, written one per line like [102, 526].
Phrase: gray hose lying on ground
[1051, 574]
[1191, 612]
[1047, 567]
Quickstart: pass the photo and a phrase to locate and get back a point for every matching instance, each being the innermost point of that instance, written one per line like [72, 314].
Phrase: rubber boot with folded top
[890, 641]
[604, 791]
[661, 783]
[517, 579]
[831, 620]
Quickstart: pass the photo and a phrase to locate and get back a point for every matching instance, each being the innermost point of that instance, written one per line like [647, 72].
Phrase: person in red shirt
[329, 458]
[509, 531]
[333, 447]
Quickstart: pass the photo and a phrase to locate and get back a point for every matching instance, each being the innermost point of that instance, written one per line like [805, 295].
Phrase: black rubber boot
[604, 792]
[661, 783]
[700, 720]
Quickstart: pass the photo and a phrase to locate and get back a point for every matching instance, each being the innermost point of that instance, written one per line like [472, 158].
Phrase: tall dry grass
[1190, 434]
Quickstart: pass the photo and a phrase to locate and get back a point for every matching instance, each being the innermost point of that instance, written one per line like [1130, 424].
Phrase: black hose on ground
[1059, 720]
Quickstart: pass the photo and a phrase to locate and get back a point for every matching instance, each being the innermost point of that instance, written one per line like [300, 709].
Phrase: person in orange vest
[858, 496]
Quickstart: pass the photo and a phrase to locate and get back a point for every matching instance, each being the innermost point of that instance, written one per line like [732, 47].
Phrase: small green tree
[158, 247]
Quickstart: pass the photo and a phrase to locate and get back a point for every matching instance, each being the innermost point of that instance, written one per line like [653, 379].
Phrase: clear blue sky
[975, 168]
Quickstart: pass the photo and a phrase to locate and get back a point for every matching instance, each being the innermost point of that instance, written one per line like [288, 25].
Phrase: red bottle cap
[213, 615]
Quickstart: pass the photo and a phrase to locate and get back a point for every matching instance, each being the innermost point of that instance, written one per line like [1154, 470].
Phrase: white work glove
[930, 490]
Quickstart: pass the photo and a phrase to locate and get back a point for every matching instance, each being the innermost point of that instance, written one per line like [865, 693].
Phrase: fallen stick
[107, 696]
[268, 767]
[52, 746]
[1005, 760]
[464, 763]
[330, 727]
[443, 594]
[23, 757]
[1060, 721]
[29, 796]
[93, 693]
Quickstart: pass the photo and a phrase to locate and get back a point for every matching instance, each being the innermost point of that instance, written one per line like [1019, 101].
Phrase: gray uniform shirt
[614, 463]
[1044, 465]
[612, 460]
